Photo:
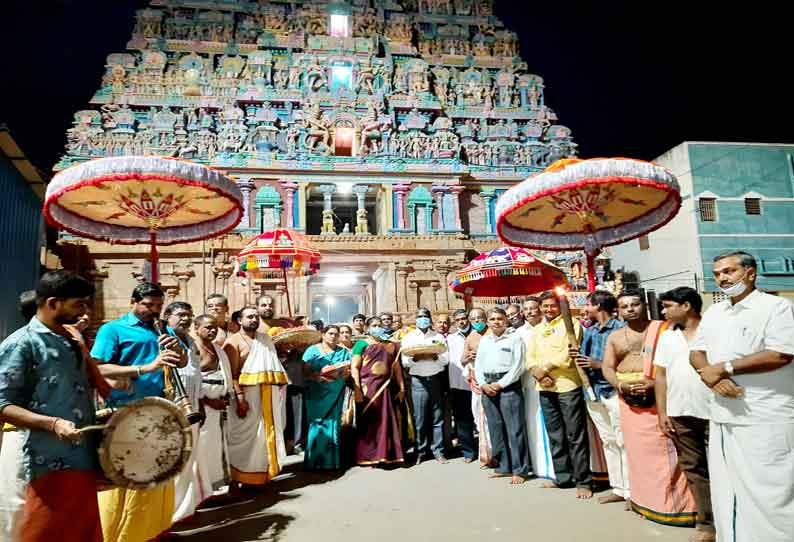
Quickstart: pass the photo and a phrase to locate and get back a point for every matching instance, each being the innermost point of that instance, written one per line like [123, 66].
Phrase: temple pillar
[456, 191]
[487, 197]
[401, 190]
[302, 206]
[327, 190]
[182, 278]
[402, 270]
[360, 190]
[413, 299]
[171, 294]
[439, 301]
[438, 195]
[289, 195]
[97, 278]
[246, 186]
[281, 301]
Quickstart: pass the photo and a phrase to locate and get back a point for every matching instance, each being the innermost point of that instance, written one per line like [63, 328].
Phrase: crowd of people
[689, 421]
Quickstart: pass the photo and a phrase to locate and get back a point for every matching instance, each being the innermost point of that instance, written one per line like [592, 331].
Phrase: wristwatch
[728, 367]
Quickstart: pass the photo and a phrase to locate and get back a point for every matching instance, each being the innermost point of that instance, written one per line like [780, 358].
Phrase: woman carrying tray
[373, 369]
[325, 390]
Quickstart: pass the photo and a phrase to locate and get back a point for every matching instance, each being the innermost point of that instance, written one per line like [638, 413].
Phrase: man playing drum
[130, 347]
[45, 389]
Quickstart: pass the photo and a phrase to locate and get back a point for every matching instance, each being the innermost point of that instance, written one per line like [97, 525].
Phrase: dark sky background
[630, 78]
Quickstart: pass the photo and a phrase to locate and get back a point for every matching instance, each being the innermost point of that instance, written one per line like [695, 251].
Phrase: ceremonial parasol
[271, 254]
[506, 273]
[143, 199]
[588, 204]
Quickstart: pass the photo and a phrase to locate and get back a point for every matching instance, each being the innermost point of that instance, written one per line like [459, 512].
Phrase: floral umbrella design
[143, 199]
[272, 253]
[588, 204]
[506, 273]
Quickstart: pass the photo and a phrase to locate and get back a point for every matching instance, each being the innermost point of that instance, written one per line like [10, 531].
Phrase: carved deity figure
[315, 75]
[317, 133]
[372, 131]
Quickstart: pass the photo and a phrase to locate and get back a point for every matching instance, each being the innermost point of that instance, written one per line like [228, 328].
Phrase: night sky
[626, 80]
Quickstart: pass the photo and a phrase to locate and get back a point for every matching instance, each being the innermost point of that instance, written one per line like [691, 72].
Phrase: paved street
[430, 502]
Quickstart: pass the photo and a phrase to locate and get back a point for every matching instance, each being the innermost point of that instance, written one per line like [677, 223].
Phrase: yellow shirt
[549, 348]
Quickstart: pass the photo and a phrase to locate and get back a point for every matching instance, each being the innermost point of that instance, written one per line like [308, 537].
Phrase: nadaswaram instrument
[176, 388]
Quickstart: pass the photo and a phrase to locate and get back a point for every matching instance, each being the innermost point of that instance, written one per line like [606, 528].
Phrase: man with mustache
[743, 351]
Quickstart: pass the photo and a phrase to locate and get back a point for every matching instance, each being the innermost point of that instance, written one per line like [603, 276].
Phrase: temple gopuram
[382, 129]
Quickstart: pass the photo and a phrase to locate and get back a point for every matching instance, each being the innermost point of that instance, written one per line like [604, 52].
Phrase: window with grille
[752, 206]
[708, 209]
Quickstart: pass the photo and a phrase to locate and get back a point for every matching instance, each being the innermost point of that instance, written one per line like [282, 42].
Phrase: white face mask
[737, 289]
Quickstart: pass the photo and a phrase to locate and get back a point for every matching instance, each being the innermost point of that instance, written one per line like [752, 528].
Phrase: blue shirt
[129, 342]
[593, 344]
[44, 372]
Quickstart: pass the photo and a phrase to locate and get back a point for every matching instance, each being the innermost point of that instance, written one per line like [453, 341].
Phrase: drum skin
[145, 444]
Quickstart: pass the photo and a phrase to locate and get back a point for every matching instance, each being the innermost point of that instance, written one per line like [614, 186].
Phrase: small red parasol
[272, 253]
[506, 273]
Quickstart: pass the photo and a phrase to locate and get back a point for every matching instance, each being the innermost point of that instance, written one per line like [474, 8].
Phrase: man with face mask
[743, 351]
[515, 318]
[425, 371]
[459, 386]
[45, 389]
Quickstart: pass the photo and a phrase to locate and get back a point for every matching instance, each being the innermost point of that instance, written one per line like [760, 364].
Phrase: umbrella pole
[467, 302]
[286, 291]
[153, 257]
[591, 271]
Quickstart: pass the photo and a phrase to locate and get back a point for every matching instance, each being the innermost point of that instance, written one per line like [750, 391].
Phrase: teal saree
[323, 411]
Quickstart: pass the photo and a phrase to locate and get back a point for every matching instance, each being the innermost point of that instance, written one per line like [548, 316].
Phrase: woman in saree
[324, 399]
[346, 336]
[376, 375]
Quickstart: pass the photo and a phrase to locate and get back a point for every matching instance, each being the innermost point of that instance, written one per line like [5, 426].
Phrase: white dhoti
[605, 416]
[263, 381]
[751, 468]
[248, 450]
[214, 438]
[191, 486]
[538, 439]
[12, 486]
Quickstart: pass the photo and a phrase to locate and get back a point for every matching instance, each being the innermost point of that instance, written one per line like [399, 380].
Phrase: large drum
[144, 444]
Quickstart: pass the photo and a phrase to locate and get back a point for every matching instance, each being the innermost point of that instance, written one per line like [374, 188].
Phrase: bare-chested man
[293, 364]
[216, 390]
[657, 487]
[255, 372]
[218, 308]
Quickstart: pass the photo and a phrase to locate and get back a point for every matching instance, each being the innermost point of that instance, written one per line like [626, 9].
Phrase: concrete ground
[429, 502]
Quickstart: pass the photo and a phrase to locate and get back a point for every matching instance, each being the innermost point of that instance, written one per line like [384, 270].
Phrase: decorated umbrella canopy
[143, 199]
[587, 204]
[271, 254]
[506, 273]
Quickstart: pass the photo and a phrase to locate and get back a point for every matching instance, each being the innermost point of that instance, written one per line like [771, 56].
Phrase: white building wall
[673, 256]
